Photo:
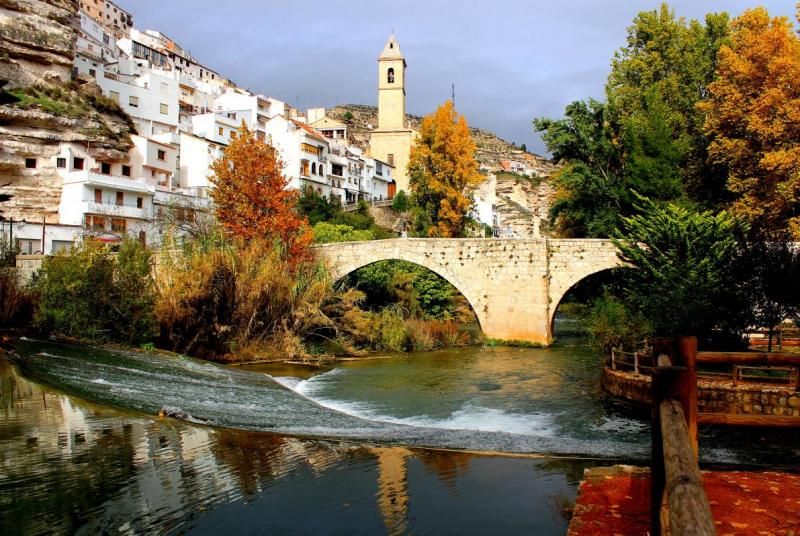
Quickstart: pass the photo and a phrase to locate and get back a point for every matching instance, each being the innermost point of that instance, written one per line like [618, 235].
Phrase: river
[357, 448]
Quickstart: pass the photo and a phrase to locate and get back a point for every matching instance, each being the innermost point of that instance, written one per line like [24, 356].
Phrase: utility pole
[453, 93]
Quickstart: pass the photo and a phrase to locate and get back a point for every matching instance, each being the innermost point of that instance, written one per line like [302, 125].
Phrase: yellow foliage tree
[252, 198]
[753, 120]
[443, 173]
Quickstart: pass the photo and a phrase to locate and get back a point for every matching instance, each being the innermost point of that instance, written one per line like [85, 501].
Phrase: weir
[514, 286]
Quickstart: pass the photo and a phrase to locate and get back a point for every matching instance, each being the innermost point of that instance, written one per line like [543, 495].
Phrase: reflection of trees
[250, 457]
[448, 465]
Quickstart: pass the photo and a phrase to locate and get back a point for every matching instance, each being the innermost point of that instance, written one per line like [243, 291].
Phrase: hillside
[520, 199]
[491, 148]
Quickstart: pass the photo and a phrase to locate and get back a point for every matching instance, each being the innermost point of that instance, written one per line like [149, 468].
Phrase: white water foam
[468, 417]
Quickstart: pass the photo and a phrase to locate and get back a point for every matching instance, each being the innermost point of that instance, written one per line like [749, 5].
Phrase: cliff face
[42, 107]
[37, 41]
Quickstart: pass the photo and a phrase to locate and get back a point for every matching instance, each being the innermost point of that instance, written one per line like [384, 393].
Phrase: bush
[16, 302]
[392, 329]
[612, 325]
[245, 300]
[89, 294]
[400, 203]
[329, 232]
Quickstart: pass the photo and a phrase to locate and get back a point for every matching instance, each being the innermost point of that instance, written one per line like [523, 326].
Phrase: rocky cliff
[42, 107]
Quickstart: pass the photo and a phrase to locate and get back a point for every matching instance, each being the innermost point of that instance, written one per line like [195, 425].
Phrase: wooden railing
[746, 368]
[679, 504]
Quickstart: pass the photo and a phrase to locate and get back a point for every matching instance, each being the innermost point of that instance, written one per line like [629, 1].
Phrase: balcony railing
[125, 210]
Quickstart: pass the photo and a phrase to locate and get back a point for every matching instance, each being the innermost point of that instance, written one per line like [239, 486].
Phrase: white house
[151, 99]
[304, 152]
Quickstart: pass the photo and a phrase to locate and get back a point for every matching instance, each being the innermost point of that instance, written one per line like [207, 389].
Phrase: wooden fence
[679, 504]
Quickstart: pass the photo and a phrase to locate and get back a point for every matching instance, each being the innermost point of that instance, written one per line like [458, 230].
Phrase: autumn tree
[443, 173]
[753, 120]
[252, 198]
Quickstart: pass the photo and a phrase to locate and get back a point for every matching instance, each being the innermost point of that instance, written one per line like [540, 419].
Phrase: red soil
[765, 503]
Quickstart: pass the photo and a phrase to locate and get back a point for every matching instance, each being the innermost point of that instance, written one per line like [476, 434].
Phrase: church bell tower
[391, 87]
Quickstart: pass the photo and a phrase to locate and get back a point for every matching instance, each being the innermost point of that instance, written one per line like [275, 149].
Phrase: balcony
[115, 182]
[117, 211]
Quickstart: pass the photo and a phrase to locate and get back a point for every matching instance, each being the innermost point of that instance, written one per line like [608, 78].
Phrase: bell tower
[391, 86]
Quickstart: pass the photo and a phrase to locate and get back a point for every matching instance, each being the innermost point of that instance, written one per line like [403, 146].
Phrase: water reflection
[67, 466]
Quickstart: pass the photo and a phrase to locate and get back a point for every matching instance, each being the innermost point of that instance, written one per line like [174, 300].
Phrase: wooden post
[613, 359]
[689, 509]
[659, 390]
[687, 350]
[636, 362]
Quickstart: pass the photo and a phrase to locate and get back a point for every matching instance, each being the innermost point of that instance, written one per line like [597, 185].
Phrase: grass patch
[511, 342]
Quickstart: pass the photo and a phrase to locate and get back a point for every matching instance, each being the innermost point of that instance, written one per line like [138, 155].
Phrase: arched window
[313, 168]
[390, 75]
[321, 170]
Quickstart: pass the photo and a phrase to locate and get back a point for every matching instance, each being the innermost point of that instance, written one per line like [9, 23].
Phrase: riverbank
[616, 500]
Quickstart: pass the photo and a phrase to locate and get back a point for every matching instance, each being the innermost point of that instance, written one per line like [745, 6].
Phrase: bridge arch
[513, 286]
[347, 263]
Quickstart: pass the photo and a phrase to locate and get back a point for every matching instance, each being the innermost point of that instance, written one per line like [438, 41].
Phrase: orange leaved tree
[443, 173]
[753, 120]
[252, 199]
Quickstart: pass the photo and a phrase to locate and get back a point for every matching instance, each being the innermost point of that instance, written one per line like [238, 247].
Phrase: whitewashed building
[304, 152]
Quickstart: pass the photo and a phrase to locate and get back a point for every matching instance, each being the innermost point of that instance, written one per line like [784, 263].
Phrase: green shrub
[16, 302]
[611, 324]
[330, 232]
[392, 329]
[401, 203]
[87, 293]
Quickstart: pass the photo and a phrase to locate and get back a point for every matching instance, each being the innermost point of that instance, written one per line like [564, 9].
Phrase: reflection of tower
[393, 488]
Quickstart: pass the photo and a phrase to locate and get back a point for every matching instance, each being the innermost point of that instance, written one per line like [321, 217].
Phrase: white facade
[304, 153]
[196, 156]
[254, 110]
[216, 127]
[151, 99]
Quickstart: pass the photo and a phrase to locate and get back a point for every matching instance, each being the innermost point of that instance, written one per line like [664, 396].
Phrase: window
[77, 163]
[120, 198]
[118, 225]
[321, 170]
[133, 101]
[390, 75]
[98, 195]
[29, 247]
[97, 223]
[162, 154]
[164, 87]
[114, 95]
[126, 171]
[164, 109]
[105, 168]
[221, 131]
[61, 162]
[139, 202]
[30, 163]
[92, 72]
[311, 149]
[390, 159]
[142, 238]
[61, 245]
[313, 168]
[337, 169]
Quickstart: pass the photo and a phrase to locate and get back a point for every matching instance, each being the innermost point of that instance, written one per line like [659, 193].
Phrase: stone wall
[28, 265]
[712, 396]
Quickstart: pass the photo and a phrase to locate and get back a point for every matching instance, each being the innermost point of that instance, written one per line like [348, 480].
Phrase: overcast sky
[510, 61]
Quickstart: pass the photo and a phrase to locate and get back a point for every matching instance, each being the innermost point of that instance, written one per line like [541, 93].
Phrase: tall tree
[589, 187]
[647, 137]
[443, 173]
[753, 120]
[684, 281]
[252, 198]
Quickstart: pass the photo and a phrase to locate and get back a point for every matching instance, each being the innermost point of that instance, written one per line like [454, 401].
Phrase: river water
[353, 449]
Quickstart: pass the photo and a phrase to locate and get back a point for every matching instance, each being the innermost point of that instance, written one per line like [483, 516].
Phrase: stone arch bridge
[514, 286]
